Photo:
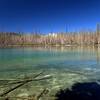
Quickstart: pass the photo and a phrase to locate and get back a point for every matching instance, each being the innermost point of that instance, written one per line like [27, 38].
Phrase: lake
[66, 65]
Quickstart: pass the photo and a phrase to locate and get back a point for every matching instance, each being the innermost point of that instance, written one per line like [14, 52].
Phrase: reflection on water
[67, 65]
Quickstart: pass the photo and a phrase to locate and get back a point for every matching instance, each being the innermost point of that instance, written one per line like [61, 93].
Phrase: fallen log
[16, 81]
[23, 83]
[41, 94]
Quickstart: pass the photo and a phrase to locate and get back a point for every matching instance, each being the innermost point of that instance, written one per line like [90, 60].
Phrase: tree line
[68, 38]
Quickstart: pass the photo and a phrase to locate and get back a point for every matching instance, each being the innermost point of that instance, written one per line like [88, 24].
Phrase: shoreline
[37, 45]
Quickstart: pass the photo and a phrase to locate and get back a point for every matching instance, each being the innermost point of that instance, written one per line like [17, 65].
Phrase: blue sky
[49, 15]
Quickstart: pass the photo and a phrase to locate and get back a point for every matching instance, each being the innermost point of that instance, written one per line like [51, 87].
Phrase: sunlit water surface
[66, 65]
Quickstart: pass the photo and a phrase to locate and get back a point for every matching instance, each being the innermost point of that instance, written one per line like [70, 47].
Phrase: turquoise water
[67, 65]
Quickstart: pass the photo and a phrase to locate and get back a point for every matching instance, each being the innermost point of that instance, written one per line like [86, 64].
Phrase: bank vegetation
[56, 39]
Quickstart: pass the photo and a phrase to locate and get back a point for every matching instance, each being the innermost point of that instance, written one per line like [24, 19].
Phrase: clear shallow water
[67, 65]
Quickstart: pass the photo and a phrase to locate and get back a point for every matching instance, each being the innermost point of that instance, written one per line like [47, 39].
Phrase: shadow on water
[80, 91]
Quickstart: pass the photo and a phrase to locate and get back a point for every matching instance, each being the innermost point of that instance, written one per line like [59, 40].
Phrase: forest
[56, 39]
